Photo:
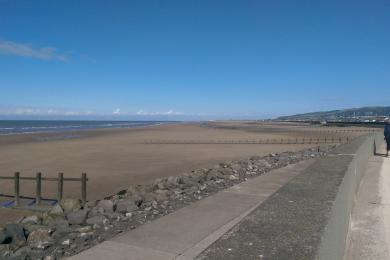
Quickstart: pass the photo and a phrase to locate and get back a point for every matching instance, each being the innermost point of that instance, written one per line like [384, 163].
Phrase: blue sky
[191, 59]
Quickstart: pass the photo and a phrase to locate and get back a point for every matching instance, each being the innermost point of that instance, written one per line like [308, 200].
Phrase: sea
[12, 127]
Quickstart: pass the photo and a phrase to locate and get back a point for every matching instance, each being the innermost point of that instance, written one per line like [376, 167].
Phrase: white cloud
[116, 111]
[28, 111]
[26, 50]
[166, 113]
[42, 111]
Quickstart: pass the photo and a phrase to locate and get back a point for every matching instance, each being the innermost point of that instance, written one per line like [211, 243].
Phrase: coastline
[12, 127]
[116, 158]
[27, 137]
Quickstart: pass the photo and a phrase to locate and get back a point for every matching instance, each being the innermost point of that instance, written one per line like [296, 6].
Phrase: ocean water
[10, 127]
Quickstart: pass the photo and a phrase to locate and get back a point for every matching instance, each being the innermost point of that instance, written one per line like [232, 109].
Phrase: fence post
[60, 186]
[347, 139]
[38, 192]
[17, 191]
[84, 188]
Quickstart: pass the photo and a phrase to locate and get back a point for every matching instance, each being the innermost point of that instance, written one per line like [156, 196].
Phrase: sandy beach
[116, 158]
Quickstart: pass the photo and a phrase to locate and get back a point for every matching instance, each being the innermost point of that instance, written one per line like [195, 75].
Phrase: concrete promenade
[369, 233]
[185, 233]
[308, 218]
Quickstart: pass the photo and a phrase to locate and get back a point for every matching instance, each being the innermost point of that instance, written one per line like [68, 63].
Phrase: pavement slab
[119, 251]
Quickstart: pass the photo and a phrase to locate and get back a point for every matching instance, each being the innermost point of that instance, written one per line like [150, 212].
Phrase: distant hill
[344, 114]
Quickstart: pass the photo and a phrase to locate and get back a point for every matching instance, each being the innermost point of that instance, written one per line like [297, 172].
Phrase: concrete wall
[333, 242]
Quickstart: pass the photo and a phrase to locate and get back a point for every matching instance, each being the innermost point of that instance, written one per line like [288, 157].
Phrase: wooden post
[340, 140]
[17, 191]
[303, 140]
[60, 191]
[38, 192]
[325, 139]
[83, 188]
[318, 149]
[347, 139]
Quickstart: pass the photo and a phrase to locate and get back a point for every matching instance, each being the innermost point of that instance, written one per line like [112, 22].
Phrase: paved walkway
[185, 233]
[369, 234]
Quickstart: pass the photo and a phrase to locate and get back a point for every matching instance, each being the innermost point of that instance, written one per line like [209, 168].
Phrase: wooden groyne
[38, 187]
[324, 140]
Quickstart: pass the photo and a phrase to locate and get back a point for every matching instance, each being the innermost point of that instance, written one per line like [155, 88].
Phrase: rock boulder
[40, 238]
[77, 217]
[106, 205]
[16, 233]
[69, 205]
[126, 206]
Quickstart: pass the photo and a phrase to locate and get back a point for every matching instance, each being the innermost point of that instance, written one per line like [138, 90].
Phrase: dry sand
[116, 158]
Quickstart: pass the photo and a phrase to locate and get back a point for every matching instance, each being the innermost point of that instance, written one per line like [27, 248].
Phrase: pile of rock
[70, 227]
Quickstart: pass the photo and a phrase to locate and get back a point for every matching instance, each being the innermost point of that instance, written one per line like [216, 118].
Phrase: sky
[204, 59]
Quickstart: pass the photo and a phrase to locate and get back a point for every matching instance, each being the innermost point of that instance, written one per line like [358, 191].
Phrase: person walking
[387, 136]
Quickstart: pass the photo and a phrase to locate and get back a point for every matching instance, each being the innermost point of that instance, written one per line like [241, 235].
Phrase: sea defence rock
[70, 227]
[40, 238]
[77, 217]
[3, 235]
[308, 218]
[69, 205]
[16, 233]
